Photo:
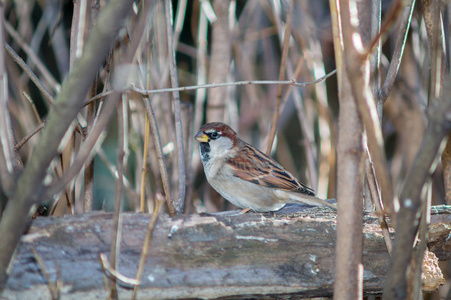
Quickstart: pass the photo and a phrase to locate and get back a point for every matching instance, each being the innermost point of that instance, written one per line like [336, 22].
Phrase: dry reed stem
[144, 165]
[45, 93]
[114, 274]
[90, 118]
[147, 241]
[116, 231]
[357, 68]
[350, 157]
[410, 196]
[177, 112]
[377, 201]
[283, 65]
[7, 164]
[53, 286]
[161, 164]
[398, 53]
[31, 55]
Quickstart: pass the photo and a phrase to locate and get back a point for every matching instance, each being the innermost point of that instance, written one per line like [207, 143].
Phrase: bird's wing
[258, 168]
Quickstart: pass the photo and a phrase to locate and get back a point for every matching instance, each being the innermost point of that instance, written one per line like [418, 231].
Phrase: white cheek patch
[220, 147]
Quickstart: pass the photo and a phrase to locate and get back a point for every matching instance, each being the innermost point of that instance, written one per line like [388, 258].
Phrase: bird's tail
[310, 200]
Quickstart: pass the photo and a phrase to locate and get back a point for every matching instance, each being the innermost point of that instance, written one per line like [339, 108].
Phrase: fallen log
[204, 256]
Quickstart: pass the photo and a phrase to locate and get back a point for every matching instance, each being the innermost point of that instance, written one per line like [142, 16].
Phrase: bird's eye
[214, 135]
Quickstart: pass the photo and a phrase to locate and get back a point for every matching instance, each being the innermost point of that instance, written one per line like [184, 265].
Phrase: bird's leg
[245, 210]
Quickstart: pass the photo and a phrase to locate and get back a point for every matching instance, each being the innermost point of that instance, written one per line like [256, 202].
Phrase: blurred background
[248, 46]
[223, 41]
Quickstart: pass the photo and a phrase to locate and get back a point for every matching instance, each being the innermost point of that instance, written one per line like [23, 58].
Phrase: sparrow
[247, 177]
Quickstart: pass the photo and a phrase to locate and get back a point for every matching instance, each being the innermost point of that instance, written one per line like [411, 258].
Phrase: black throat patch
[205, 152]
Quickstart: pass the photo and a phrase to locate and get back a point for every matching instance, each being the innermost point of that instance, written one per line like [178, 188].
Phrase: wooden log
[202, 256]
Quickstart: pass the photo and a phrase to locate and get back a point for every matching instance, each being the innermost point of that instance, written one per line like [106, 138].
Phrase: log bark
[205, 256]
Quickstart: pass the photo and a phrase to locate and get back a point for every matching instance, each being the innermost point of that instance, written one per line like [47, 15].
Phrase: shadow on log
[225, 255]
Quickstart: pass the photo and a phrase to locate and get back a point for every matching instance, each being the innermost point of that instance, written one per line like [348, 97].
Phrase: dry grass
[148, 148]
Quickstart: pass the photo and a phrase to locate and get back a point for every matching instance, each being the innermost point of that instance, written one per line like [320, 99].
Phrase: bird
[247, 177]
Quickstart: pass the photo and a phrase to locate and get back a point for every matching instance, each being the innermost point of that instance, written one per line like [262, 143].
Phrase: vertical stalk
[6, 136]
[117, 220]
[177, 112]
[349, 244]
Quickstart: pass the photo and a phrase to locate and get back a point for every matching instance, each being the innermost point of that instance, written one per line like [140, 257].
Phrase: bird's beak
[202, 137]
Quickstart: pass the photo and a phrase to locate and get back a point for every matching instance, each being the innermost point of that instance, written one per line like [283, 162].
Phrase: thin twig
[389, 21]
[187, 115]
[158, 147]
[78, 31]
[398, 53]
[180, 18]
[113, 273]
[29, 136]
[90, 118]
[65, 189]
[6, 136]
[177, 111]
[45, 93]
[237, 83]
[33, 106]
[275, 118]
[33, 57]
[89, 169]
[99, 97]
[147, 241]
[421, 247]
[377, 201]
[53, 286]
[144, 165]
[117, 220]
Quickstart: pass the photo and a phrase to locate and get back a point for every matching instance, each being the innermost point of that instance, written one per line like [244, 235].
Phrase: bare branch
[45, 93]
[33, 58]
[350, 158]
[357, 67]
[29, 136]
[377, 201]
[398, 53]
[69, 103]
[177, 112]
[116, 235]
[410, 200]
[6, 133]
[244, 82]
[147, 241]
[88, 185]
[161, 164]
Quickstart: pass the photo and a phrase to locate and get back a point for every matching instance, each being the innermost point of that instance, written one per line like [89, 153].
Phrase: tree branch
[68, 104]
[410, 197]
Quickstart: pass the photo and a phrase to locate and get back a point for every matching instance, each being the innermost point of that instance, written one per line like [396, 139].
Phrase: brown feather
[265, 171]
